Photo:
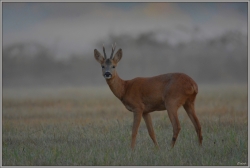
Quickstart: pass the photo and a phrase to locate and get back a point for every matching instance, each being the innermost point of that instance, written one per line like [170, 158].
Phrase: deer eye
[102, 66]
[113, 66]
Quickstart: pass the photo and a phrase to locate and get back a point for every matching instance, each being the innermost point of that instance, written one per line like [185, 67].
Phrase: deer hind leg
[136, 124]
[148, 121]
[189, 107]
[173, 116]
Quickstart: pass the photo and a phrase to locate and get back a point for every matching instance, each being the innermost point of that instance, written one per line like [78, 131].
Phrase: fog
[52, 44]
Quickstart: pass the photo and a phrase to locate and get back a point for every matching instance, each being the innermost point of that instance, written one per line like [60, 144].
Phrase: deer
[143, 95]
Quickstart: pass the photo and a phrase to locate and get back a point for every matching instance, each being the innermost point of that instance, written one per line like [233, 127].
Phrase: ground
[90, 126]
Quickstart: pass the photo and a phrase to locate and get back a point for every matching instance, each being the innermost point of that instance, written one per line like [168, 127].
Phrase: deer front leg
[172, 113]
[136, 124]
[148, 121]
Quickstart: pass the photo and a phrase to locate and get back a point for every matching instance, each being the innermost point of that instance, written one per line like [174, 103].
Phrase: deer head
[108, 64]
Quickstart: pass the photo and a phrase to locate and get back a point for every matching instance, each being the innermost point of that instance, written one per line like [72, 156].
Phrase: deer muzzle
[107, 75]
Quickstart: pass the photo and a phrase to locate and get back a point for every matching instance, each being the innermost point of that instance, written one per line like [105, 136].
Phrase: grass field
[89, 126]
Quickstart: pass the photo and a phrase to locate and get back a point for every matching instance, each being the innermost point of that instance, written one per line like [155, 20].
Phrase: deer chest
[128, 106]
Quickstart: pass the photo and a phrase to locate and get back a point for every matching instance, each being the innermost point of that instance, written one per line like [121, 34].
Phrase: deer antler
[104, 51]
[113, 49]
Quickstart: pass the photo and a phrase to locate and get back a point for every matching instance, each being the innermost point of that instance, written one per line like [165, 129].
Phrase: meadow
[90, 126]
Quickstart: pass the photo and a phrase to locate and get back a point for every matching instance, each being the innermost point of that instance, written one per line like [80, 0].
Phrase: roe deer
[144, 95]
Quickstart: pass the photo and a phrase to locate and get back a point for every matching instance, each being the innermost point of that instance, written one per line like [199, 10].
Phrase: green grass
[89, 126]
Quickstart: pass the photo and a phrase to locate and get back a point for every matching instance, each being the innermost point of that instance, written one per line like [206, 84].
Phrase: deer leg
[136, 124]
[189, 107]
[148, 121]
[172, 113]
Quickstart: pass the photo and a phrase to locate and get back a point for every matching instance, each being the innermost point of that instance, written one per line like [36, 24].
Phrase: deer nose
[107, 75]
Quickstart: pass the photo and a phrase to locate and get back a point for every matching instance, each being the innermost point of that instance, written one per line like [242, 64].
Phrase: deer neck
[117, 86]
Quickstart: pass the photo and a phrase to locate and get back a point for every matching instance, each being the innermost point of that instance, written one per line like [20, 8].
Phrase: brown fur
[163, 92]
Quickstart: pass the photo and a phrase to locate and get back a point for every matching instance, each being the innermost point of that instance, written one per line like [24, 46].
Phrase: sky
[78, 27]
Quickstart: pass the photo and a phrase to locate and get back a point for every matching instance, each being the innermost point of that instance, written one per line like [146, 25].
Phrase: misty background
[52, 44]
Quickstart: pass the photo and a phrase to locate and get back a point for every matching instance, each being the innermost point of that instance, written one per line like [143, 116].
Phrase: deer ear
[118, 56]
[98, 56]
